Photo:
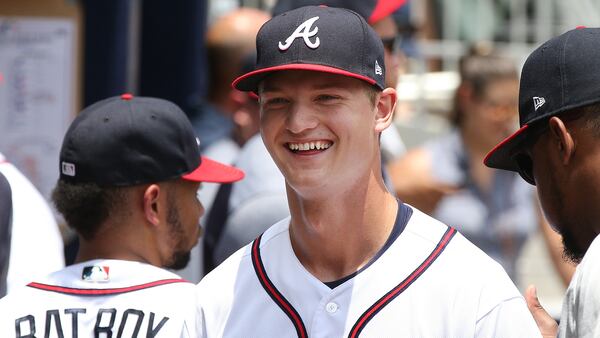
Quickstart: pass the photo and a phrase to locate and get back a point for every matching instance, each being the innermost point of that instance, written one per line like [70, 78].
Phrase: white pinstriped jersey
[430, 282]
[102, 298]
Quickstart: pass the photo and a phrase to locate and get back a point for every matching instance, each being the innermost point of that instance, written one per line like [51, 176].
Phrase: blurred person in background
[446, 177]
[230, 40]
[226, 119]
[240, 211]
[245, 209]
[36, 245]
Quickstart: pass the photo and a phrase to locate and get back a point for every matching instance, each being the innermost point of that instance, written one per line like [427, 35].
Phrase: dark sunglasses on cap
[523, 158]
[525, 166]
[391, 44]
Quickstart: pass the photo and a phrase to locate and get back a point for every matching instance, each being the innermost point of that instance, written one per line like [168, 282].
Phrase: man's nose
[300, 119]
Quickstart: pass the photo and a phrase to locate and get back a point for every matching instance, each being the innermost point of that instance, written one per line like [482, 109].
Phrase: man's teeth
[309, 145]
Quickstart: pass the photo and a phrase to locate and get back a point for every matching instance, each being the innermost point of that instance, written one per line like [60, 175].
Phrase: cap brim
[502, 156]
[249, 81]
[213, 171]
[384, 8]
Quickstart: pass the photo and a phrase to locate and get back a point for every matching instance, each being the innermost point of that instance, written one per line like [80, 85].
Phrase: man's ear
[562, 139]
[151, 203]
[385, 109]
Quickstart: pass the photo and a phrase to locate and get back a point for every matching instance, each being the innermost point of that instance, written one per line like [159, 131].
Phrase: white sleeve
[509, 319]
[36, 245]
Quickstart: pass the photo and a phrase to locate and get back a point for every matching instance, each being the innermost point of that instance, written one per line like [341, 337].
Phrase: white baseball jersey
[429, 282]
[102, 298]
[33, 226]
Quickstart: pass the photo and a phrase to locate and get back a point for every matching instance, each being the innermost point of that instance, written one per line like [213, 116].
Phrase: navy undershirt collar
[402, 217]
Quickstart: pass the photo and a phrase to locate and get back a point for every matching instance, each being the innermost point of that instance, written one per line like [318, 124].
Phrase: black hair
[86, 206]
[591, 117]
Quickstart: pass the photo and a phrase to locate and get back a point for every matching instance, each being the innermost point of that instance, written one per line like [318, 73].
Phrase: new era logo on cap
[378, 70]
[538, 102]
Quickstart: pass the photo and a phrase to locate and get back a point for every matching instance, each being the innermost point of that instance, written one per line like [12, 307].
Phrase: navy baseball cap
[560, 75]
[317, 38]
[126, 140]
[371, 10]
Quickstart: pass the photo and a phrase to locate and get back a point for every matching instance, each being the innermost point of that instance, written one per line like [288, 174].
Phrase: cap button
[580, 27]
[126, 96]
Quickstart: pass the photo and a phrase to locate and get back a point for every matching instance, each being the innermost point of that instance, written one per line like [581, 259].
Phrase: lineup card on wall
[37, 67]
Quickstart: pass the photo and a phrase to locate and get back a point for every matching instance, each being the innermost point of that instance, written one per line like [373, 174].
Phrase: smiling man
[351, 260]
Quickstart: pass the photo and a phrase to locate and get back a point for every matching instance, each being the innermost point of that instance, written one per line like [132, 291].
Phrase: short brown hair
[477, 70]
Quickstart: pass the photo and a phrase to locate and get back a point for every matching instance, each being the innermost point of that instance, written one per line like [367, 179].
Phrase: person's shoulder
[424, 226]
[460, 255]
[111, 274]
[474, 277]
[14, 298]
[587, 275]
[593, 251]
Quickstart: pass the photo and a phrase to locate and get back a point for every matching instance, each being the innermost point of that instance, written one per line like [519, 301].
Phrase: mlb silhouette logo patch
[95, 274]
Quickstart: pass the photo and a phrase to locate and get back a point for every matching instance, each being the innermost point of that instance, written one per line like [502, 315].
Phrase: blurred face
[319, 129]
[183, 215]
[493, 115]
[246, 117]
[388, 31]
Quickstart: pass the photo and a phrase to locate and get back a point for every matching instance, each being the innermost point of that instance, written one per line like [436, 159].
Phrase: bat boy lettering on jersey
[56, 323]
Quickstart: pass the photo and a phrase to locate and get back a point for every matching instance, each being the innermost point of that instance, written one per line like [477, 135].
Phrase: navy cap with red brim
[214, 172]
[317, 38]
[501, 156]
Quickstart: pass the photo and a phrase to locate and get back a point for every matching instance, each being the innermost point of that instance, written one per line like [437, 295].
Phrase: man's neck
[114, 241]
[337, 235]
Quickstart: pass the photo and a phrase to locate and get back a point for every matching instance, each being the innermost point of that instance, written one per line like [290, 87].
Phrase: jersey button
[331, 307]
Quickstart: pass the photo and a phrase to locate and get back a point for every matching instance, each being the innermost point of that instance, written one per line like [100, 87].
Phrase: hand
[547, 325]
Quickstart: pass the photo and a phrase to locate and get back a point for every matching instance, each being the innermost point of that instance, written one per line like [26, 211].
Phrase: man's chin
[180, 261]
[571, 251]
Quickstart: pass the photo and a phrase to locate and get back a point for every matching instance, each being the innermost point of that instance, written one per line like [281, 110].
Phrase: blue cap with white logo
[317, 38]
